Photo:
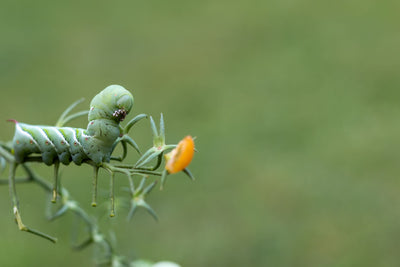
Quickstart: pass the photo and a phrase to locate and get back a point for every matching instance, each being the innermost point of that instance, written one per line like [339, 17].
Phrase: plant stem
[95, 235]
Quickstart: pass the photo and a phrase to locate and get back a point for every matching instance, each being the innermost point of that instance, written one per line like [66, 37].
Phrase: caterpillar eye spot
[120, 114]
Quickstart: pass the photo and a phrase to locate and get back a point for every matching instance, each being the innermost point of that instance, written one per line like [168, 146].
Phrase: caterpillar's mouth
[119, 114]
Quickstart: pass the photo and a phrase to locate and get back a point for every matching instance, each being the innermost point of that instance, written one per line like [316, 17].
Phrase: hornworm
[65, 144]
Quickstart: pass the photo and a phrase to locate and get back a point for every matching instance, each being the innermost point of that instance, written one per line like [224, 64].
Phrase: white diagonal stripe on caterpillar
[27, 134]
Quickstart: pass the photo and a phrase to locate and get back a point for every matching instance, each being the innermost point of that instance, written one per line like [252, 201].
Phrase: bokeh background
[295, 105]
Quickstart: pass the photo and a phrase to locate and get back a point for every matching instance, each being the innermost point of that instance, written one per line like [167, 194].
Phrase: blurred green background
[295, 105]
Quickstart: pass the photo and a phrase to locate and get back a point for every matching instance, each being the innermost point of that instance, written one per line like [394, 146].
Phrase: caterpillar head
[114, 103]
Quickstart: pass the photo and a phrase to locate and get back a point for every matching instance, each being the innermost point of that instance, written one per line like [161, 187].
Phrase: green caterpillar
[65, 144]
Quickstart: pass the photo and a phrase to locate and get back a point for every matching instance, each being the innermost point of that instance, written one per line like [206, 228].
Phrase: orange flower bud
[181, 156]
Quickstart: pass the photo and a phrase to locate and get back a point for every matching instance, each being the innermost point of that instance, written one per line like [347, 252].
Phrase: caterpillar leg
[17, 213]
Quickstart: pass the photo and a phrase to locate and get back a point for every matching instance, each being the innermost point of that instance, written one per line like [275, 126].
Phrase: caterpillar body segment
[63, 144]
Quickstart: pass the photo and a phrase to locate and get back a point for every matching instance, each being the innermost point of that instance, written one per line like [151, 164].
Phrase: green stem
[94, 233]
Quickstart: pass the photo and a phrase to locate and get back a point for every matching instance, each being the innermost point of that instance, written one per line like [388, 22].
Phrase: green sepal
[152, 153]
[74, 116]
[165, 174]
[59, 213]
[138, 199]
[83, 244]
[149, 209]
[64, 119]
[163, 179]
[158, 137]
[124, 140]
[130, 141]
[188, 173]
[2, 164]
[144, 156]
[152, 156]
[133, 121]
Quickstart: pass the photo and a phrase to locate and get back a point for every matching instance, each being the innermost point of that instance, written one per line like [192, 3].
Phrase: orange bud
[181, 156]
